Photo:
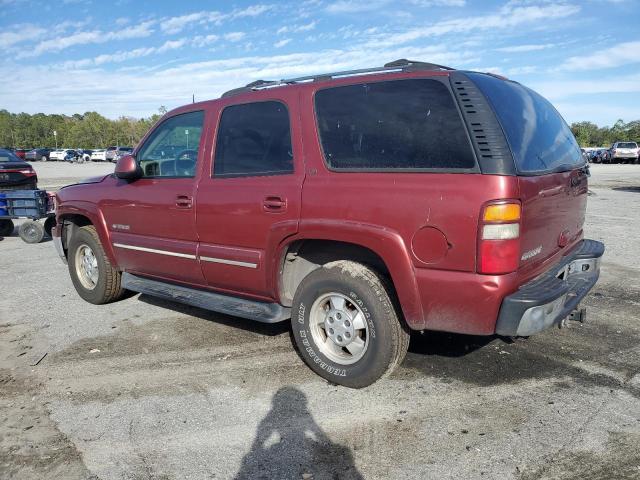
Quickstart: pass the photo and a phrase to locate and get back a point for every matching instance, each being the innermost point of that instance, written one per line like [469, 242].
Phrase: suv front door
[152, 219]
[250, 201]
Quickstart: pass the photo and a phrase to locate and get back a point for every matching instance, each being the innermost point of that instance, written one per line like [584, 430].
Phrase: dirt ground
[145, 389]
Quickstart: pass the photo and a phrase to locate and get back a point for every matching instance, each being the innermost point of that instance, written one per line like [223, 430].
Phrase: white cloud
[525, 48]
[615, 56]
[234, 36]
[204, 40]
[282, 43]
[87, 37]
[439, 3]
[20, 33]
[139, 92]
[177, 24]
[124, 55]
[558, 88]
[172, 25]
[355, 6]
[171, 45]
[508, 17]
[297, 28]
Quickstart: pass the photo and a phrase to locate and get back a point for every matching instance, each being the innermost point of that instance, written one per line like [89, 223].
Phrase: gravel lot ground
[144, 389]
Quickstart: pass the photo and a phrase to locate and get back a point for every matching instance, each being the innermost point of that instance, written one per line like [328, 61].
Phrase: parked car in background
[602, 156]
[114, 152]
[335, 201]
[99, 155]
[57, 154]
[84, 155]
[70, 155]
[15, 173]
[623, 152]
[20, 152]
[121, 152]
[38, 155]
[585, 155]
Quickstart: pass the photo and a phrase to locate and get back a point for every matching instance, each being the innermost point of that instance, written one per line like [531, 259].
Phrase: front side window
[172, 149]
[392, 125]
[254, 139]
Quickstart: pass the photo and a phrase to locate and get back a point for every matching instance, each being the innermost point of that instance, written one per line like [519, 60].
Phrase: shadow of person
[290, 445]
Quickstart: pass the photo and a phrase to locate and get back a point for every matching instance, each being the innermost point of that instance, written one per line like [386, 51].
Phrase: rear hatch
[552, 174]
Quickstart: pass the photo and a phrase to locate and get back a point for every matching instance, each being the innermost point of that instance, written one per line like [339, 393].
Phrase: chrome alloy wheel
[87, 267]
[339, 328]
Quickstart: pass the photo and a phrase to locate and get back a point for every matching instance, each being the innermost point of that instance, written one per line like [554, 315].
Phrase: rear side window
[539, 138]
[394, 125]
[254, 139]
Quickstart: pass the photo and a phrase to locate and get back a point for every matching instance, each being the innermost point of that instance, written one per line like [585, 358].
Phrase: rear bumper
[548, 299]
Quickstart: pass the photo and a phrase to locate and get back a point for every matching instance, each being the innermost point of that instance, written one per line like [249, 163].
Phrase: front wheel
[93, 276]
[346, 326]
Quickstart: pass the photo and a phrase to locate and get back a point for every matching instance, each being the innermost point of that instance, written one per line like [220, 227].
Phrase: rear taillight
[499, 238]
[27, 173]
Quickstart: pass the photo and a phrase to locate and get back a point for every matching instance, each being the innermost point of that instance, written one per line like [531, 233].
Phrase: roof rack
[401, 65]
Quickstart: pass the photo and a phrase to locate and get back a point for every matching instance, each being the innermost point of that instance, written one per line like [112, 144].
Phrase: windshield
[539, 138]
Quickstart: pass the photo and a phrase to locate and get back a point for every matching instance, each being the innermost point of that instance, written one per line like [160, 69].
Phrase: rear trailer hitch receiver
[577, 315]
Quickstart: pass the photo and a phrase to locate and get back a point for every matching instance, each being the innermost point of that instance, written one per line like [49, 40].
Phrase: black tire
[108, 287]
[387, 335]
[31, 231]
[49, 223]
[6, 227]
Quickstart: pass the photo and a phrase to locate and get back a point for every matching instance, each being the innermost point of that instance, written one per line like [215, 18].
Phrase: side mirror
[127, 168]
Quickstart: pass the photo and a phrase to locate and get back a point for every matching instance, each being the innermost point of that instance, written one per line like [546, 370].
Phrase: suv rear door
[250, 200]
[552, 175]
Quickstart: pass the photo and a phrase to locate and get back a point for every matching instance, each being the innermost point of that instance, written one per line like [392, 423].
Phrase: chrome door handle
[274, 204]
[184, 201]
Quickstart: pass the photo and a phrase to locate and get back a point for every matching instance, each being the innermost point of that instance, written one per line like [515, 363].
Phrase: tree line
[92, 130]
[88, 130]
[589, 134]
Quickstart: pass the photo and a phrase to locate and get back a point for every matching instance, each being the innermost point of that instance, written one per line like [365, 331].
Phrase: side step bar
[239, 307]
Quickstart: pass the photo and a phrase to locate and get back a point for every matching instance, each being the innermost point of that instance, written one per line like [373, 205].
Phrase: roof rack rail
[397, 65]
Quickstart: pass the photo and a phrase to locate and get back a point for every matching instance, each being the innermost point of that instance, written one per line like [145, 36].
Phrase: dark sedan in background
[38, 154]
[16, 174]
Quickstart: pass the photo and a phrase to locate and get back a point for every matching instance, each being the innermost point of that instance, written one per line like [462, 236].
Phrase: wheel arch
[70, 219]
[379, 248]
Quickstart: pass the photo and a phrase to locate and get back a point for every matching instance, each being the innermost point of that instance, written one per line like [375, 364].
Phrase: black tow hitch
[577, 315]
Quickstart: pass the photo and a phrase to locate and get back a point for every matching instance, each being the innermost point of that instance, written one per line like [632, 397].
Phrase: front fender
[94, 215]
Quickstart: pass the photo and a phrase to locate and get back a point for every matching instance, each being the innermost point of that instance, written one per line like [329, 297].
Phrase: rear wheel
[93, 276]
[31, 231]
[6, 227]
[346, 326]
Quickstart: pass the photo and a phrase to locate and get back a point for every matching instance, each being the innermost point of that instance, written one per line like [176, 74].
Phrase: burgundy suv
[361, 205]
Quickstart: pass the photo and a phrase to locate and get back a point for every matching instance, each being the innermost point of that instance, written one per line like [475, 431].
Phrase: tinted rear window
[540, 139]
[628, 145]
[401, 125]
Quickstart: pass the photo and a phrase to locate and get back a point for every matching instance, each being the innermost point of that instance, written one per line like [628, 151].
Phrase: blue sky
[129, 57]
